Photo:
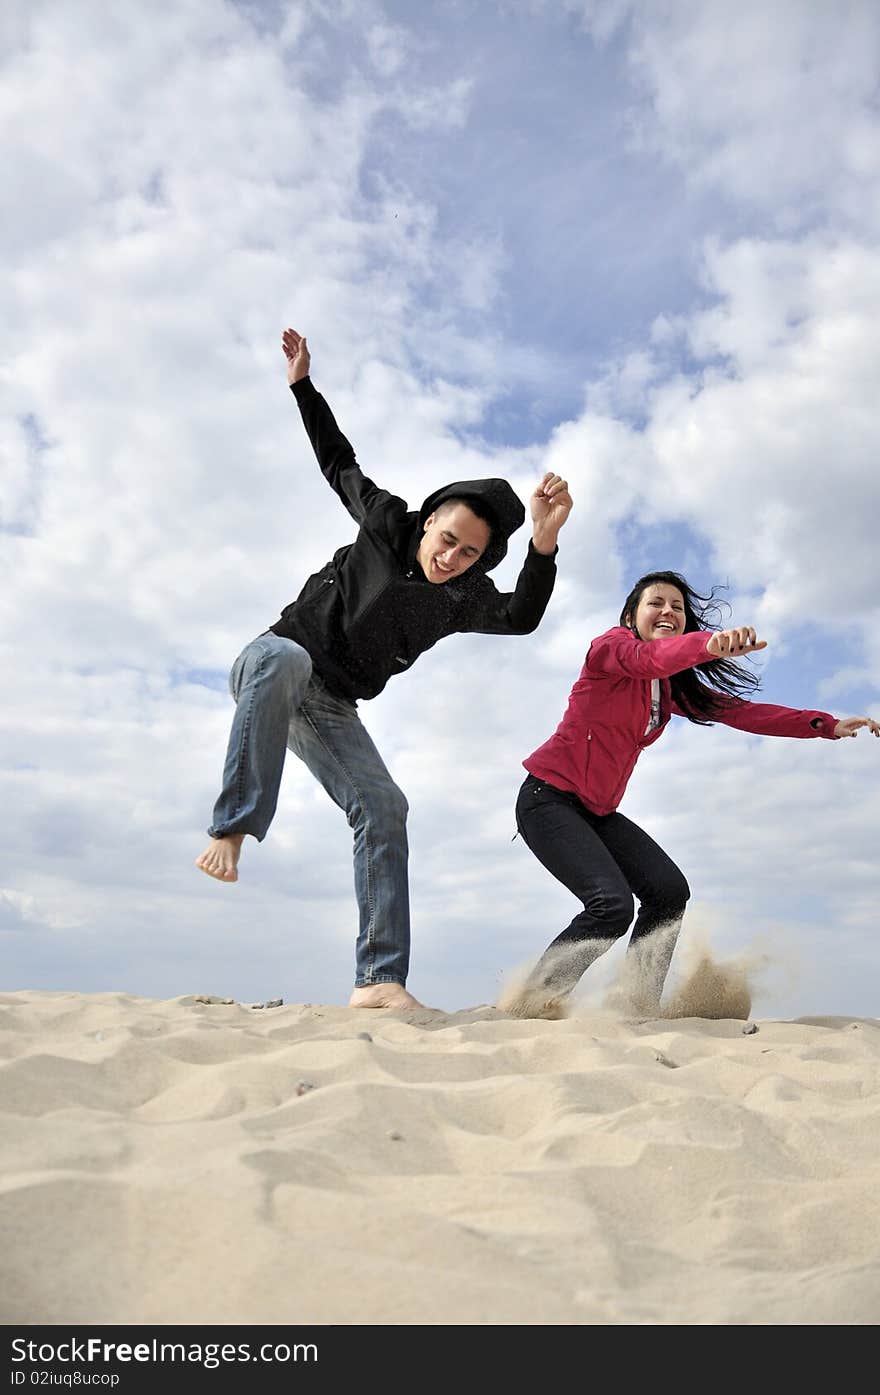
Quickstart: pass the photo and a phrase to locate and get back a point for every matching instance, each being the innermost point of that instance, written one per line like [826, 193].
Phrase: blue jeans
[604, 860]
[279, 703]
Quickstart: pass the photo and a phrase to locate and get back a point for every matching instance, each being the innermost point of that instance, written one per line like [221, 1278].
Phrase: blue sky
[637, 243]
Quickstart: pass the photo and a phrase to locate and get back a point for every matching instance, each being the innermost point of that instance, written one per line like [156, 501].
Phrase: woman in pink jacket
[664, 658]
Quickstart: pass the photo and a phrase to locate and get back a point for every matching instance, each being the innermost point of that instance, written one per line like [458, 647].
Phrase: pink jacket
[594, 749]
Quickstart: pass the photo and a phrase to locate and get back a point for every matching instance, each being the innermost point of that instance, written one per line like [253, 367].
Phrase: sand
[179, 1161]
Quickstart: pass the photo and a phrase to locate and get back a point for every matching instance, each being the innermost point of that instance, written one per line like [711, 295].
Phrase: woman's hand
[848, 726]
[734, 644]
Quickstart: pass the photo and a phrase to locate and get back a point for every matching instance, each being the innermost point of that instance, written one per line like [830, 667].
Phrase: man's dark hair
[476, 506]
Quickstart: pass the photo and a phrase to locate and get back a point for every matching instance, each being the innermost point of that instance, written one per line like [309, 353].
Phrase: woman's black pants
[606, 861]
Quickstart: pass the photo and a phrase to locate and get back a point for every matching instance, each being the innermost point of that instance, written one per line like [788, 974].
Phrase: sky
[631, 241]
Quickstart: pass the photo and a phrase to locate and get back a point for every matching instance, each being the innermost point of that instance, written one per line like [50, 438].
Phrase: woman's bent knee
[677, 892]
[609, 915]
[619, 911]
[670, 896]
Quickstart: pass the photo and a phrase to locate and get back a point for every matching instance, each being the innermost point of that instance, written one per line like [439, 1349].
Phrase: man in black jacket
[406, 581]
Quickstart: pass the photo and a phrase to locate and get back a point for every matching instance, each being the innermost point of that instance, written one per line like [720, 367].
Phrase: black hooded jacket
[370, 612]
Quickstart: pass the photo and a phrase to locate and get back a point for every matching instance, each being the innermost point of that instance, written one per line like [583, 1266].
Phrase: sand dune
[180, 1161]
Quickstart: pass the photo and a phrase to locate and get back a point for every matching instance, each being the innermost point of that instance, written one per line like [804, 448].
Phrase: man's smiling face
[454, 539]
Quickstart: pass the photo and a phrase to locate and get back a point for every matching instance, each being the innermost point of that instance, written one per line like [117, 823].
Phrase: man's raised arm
[333, 451]
[521, 610]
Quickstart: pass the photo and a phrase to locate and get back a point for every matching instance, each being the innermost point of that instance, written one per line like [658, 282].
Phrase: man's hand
[297, 354]
[734, 644]
[550, 506]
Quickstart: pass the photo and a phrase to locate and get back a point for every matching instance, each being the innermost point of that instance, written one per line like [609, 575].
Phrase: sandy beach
[186, 1161]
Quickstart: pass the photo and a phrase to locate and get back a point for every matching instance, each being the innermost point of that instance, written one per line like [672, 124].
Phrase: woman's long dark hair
[698, 691]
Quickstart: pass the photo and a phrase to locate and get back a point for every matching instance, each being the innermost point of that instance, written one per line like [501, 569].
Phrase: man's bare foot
[220, 858]
[383, 995]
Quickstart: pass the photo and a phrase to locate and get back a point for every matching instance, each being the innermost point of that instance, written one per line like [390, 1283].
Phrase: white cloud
[771, 105]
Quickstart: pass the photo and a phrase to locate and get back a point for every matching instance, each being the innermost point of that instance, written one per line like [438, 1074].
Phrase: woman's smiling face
[660, 612]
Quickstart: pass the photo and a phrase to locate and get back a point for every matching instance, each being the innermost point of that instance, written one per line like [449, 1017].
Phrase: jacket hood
[498, 499]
